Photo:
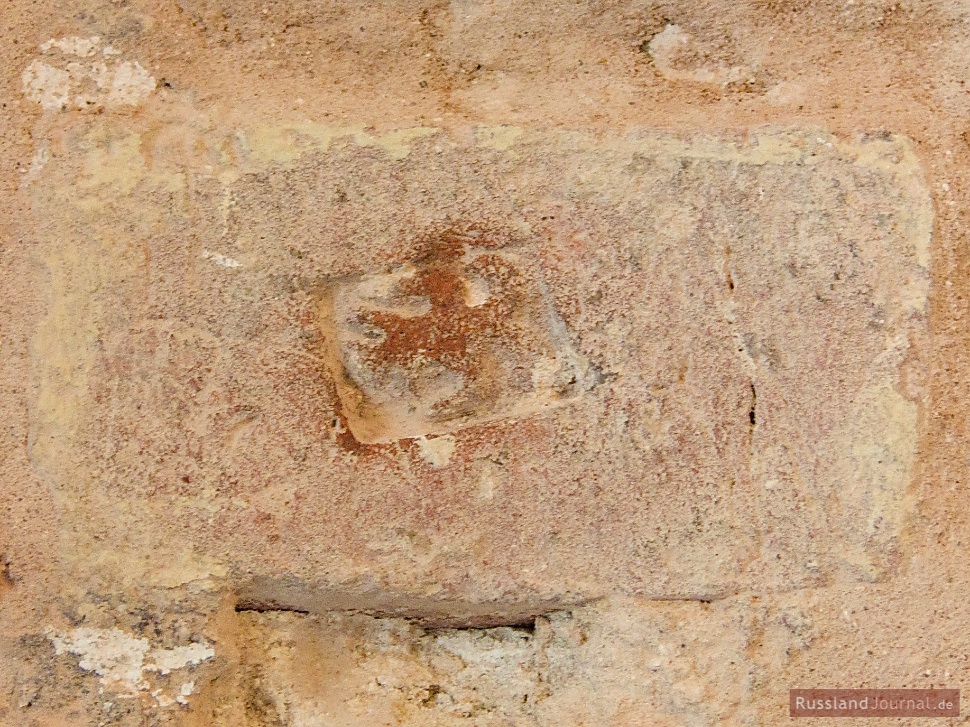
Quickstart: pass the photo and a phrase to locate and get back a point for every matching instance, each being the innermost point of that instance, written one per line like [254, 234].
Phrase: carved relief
[461, 336]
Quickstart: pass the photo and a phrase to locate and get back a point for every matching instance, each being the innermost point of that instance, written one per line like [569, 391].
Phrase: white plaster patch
[674, 53]
[185, 691]
[73, 45]
[220, 259]
[787, 93]
[165, 661]
[130, 84]
[437, 451]
[48, 86]
[41, 156]
[101, 81]
[122, 660]
[118, 658]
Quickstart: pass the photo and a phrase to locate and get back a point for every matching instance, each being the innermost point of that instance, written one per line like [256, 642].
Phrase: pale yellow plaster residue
[500, 138]
[283, 144]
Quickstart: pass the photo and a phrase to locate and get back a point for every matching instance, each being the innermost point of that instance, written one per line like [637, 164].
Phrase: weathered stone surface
[461, 337]
[488, 365]
[322, 671]
[471, 359]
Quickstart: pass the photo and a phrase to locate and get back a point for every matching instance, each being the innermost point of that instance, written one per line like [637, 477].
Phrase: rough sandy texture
[487, 364]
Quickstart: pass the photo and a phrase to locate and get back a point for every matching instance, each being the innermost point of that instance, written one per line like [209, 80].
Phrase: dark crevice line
[753, 409]
[268, 608]
[428, 623]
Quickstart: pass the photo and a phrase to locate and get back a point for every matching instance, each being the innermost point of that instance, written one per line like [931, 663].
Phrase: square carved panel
[461, 336]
